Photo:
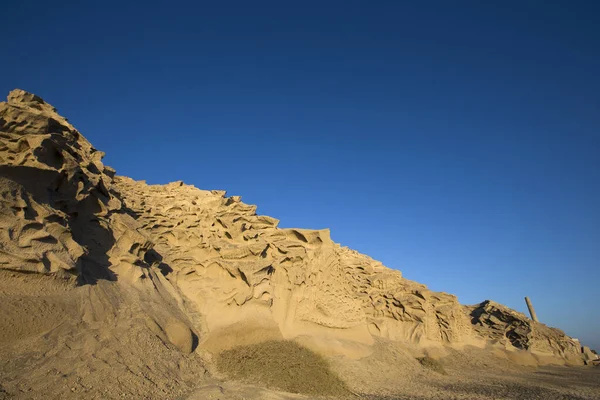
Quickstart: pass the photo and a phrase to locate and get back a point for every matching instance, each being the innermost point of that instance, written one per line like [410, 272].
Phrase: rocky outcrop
[60, 211]
[513, 330]
[97, 305]
[589, 357]
[233, 265]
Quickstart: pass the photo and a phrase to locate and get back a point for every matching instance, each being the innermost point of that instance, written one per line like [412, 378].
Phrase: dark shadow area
[195, 341]
[50, 154]
[152, 257]
[98, 240]
[55, 126]
[40, 184]
[124, 209]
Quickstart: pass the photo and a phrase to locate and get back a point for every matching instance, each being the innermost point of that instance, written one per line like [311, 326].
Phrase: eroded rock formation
[512, 329]
[235, 266]
[196, 268]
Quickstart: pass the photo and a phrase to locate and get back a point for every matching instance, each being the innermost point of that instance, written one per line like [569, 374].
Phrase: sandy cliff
[106, 279]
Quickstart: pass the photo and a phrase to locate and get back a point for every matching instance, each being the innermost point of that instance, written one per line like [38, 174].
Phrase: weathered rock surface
[514, 330]
[60, 211]
[179, 265]
[234, 266]
[588, 356]
[68, 327]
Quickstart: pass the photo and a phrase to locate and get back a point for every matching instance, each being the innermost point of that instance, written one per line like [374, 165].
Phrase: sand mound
[281, 365]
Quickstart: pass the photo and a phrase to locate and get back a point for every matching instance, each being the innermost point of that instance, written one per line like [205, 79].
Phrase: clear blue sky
[458, 142]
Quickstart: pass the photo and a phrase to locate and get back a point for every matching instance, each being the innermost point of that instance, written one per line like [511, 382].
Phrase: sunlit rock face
[513, 330]
[235, 276]
[236, 266]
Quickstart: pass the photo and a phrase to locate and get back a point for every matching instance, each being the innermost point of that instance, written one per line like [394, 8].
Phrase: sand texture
[113, 288]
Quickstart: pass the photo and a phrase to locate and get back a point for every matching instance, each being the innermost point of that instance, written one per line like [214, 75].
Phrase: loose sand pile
[281, 365]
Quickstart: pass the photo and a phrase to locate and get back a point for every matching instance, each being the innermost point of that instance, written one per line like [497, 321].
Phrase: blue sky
[458, 142]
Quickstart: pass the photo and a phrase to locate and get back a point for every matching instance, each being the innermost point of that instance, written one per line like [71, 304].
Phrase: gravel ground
[544, 383]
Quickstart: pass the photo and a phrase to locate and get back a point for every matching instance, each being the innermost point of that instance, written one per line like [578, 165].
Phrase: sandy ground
[122, 359]
[547, 383]
[392, 373]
